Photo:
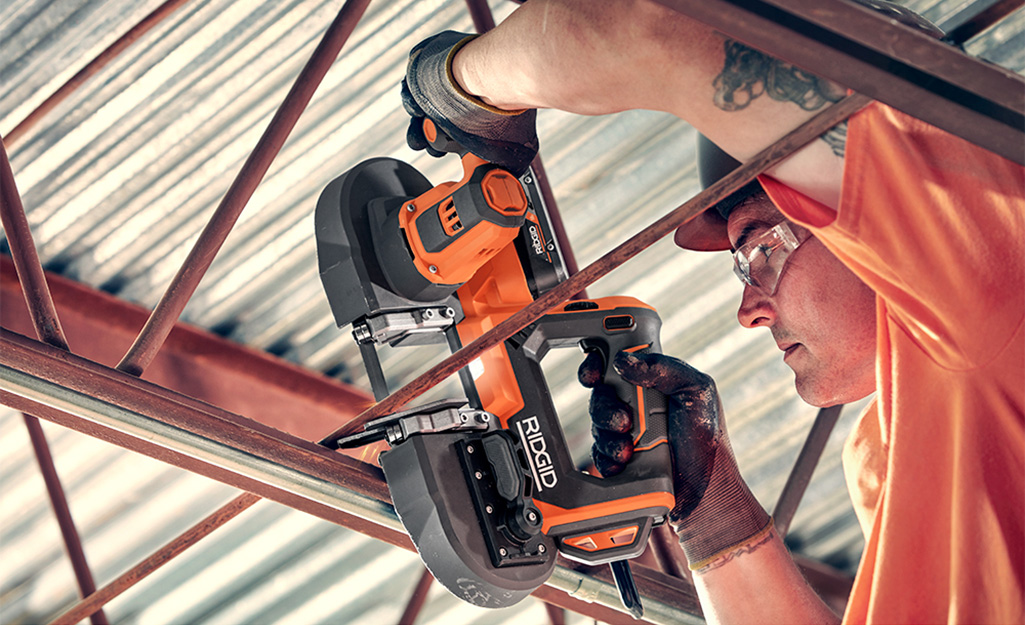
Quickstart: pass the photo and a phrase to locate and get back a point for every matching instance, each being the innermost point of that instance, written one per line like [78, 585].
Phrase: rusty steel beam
[804, 467]
[974, 19]
[193, 362]
[883, 59]
[619, 255]
[26, 259]
[556, 615]
[480, 13]
[93, 67]
[668, 552]
[210, 435]
[417, 599]
[48, 328]
[184, 283]
[80, 394]
[93, 602]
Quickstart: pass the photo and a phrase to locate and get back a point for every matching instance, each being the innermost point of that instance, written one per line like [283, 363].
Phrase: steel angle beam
[881, 58]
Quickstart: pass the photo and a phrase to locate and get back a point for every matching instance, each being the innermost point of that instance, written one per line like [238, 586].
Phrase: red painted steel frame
[48, 328]
[184, 283]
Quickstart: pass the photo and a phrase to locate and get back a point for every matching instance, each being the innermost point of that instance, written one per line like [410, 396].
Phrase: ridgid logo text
[540, 462]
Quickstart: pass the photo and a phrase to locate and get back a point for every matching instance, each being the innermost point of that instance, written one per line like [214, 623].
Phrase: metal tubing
[34, 372]
[556, 615]
[978, 17]
[600, 589]
[622, 253]
[804, 467]
[48, 329]
[61, 510]
[93, 67]
[184, 283]
[877, 56]
[26, 258]
[558, 227]
[139, 572]
[417, 600]
[668, 553]
[184, 427]
[480, 13]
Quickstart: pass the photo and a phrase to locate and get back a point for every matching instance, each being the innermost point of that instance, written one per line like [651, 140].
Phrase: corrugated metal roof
[118, 181]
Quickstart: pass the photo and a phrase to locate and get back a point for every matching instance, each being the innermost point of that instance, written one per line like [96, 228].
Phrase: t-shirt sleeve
[932, 223]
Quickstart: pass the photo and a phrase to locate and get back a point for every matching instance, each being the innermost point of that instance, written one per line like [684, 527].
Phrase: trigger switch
[508, 476]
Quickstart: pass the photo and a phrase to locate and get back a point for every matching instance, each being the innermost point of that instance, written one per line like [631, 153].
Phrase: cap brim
[704, 233]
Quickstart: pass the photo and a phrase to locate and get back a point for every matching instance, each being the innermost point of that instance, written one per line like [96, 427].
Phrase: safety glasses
[759, 262]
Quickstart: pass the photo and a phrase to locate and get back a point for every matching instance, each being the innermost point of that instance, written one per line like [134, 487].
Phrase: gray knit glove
[506, 138]
[715, 511]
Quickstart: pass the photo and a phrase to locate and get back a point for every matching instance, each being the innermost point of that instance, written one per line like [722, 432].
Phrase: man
[885, 257]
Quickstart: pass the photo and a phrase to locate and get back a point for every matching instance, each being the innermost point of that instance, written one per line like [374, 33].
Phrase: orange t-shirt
[936, 464]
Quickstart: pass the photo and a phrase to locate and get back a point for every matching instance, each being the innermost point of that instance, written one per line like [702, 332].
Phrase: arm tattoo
[836, 138]
[747, 74]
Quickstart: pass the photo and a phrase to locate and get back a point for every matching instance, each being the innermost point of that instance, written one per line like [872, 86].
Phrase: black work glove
[715, 511]
[506, 138]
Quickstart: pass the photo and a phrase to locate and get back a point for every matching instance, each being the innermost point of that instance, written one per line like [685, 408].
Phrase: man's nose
[756, 309]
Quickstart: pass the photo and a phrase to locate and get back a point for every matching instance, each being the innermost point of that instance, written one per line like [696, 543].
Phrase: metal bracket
[412, 327]
[441, 416]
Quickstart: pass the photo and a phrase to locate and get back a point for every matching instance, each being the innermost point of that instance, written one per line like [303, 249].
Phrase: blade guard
[436, 507]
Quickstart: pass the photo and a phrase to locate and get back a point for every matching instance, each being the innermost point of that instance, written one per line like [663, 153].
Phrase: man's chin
[822, 395]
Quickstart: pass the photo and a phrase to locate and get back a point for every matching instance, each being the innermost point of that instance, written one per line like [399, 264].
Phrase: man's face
[822, 316]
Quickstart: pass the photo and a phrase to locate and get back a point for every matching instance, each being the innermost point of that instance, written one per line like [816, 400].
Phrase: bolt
[489, 509]
[527, 180]
[432, 269]
[541, 549]
[411, 207]
[532, 516]
[502, 552]
[483, 417]
[449, 312]
[428, 314]
[478, 475]
[469, 449]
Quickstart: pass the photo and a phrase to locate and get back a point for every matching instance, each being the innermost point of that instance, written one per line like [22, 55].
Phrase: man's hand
[715, 512]
[507, 138]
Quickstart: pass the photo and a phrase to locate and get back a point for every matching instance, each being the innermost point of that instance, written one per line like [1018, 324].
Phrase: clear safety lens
[760, 261]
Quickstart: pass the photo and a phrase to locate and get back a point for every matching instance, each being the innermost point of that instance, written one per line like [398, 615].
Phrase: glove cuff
[727, 517]
[696, 562]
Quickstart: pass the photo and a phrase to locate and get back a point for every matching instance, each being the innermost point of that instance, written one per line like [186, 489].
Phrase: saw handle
[629, 329]
[594, 520]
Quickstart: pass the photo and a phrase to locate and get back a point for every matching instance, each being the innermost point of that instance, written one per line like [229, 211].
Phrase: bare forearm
[759, 583]
[590, 57]
[603, 56]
